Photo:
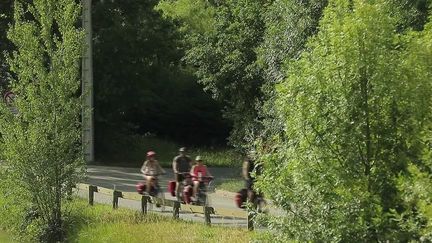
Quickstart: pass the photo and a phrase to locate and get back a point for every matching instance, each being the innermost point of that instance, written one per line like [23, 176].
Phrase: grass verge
[230, 185]
[102, 224]
[130, 151]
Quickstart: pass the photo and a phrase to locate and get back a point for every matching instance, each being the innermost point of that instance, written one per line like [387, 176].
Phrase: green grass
[231, 185]
[102, 224]
[218, 157]
[130, 151]
[5, 237]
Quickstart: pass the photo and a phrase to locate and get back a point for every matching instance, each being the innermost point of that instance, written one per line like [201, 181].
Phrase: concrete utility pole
[87, 85]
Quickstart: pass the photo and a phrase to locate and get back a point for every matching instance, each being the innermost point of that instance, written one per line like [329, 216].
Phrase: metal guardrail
[145, 200]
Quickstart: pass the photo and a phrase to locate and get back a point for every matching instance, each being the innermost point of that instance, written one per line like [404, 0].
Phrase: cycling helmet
[151, 153]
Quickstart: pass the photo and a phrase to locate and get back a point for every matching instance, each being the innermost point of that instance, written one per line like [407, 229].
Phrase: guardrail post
[92, 189]
[116, 195]
[207, 212]
[144, 200]
[250, 218]
[176, 210]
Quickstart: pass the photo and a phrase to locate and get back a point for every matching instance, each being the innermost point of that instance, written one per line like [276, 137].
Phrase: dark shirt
[183, 163]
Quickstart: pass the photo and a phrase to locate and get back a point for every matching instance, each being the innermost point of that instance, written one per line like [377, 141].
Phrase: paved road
[125, 179]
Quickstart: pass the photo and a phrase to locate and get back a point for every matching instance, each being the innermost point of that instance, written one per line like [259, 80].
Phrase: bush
[357, 110]
[40, 141]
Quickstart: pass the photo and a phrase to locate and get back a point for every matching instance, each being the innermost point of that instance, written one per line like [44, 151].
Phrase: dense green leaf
[355, 108]
[40, 141]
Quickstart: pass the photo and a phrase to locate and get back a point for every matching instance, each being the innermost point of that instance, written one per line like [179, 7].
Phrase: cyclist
[198, 171]
[151, 169]
[181, 165]
[250, 167]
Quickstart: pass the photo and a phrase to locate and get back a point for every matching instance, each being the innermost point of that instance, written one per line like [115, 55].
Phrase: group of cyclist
[184, 168]
[190, 172]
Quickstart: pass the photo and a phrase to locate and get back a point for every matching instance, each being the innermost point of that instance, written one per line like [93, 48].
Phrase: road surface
[125, 179]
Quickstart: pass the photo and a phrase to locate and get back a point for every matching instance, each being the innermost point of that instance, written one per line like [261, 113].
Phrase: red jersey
[198, 171]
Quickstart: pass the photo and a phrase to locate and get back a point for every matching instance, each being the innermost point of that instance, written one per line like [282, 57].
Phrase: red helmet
[151, 153]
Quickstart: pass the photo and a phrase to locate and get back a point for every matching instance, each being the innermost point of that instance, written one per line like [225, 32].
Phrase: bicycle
[155, 191]
[185, 188]
[257, 201]
[203, 187]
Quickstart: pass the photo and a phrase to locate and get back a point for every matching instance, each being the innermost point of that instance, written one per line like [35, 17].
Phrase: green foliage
[411, 14]
[14, 202]
[356, 107]
[197, 15]
[416, 194]
[218, 157]
[140, 85]
[288, 25]
[6, 15]
[225, 61]
[415, 185]
[40, 142]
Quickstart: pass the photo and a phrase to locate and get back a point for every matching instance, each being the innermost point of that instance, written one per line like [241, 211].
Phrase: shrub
[40, 141]
[357, 107]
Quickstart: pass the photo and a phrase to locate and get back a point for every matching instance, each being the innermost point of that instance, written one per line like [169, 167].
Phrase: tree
[141, 86]
[414, 185]
[197, 16]
[411, 14]
[5, 18]
[41, 143]
[288, 25]
[356, 107]
[131, 45]
[224, 57]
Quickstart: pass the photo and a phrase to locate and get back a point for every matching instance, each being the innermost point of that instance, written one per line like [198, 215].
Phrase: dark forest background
[141, 85]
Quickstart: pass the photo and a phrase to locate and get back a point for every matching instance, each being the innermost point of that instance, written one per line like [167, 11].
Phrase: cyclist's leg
[179, 180]
[250, 192]
[159, 193]
[195, 188]
[149, 182]
[202, 193]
